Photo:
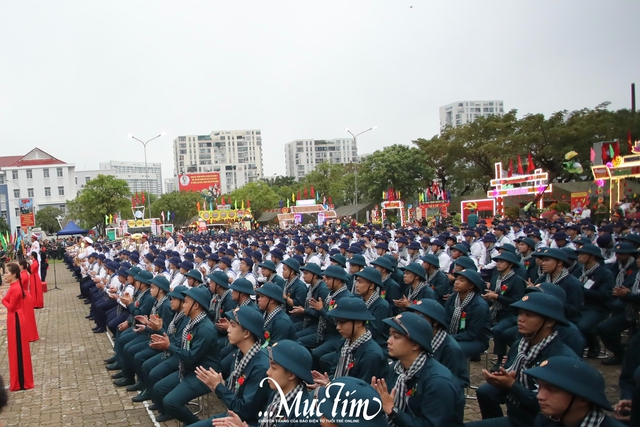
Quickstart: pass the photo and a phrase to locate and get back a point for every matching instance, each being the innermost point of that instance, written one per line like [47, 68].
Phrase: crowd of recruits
[466, 315]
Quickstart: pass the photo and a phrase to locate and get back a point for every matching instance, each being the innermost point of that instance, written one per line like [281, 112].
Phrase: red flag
[305, 192]
[510, 170]
[222, 203]
[629, 142]
[248, 204]
[313, 193]
[143, 197]
[298, 195]
[133, 203]
[520, 171]
[137, 199]
[330, 200]
[592, 155]
[198, 206]
[530, 166]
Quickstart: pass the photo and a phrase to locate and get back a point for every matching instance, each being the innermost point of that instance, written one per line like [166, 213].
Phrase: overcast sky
[77, 76]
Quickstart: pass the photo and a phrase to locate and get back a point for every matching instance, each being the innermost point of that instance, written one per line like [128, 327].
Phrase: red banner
[481, 205]
[27, 217]
[579, 200]
[200, 181]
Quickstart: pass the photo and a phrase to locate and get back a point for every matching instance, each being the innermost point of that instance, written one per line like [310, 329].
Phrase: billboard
[208, 182]
[27, 217]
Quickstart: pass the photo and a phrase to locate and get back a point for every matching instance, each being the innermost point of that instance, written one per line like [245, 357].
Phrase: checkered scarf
[373, 298]
[593, 419]
[312, 288]
[322, 323]
[430, 277]
[346, 354]
[457, 312]
[585, 273]
[171, 329]
[496, 306]
[268, 317]
[290, 283]
[240, 364]
[245, 302]
[564, 273]
[414, 293]
[438, 339]
[622, 271]
[272, 414]
[216, 304]
[525, 357]
[404, 375]
[157, 304]
[185, 334]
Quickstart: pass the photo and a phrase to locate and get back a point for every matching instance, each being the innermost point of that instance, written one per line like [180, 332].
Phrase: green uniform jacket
[204, 349]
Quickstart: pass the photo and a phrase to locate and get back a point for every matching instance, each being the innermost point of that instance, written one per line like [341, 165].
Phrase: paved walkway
[72, 387]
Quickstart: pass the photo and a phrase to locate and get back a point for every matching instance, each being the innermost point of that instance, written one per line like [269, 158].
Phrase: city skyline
[307, 71]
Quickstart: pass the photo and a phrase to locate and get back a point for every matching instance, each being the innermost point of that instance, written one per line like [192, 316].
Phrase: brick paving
[72, 387]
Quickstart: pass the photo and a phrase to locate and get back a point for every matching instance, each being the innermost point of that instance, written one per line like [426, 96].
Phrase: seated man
[416, 286]
[571, 393]
[426, 393]
[368, 284]
[358, 355]
[468, 316]
[446, 350]
[199, 348]
[538, 314]
[241, 391]
[390, 289]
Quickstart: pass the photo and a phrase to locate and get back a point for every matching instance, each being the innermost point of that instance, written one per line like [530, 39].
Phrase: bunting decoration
[313, 193]
[143, 198]
[305, 192]
[510, 170]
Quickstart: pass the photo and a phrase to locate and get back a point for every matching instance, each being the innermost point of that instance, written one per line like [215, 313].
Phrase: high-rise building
[235, 154]
[170, 185]
[137, 175]
[36, 175]
[462, 112]
[302, 155]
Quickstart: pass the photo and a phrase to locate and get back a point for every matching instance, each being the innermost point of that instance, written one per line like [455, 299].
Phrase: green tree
[101, 196]
[399, 167]
[4, 227]
[46, 219]
[261, 196]
[182, 203]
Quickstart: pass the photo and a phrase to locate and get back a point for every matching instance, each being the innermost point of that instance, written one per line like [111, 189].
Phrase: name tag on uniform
[589, 283]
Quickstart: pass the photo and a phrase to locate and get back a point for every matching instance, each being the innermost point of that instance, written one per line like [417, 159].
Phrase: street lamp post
[357, 161]
[146, 168]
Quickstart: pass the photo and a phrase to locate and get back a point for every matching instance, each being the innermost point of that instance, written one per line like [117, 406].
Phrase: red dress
[20, 369]
[31, 329]
[36, 285]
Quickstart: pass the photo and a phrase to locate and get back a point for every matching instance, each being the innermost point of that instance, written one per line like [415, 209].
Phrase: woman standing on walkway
[20, 369]
[31, 328]
[36, 283]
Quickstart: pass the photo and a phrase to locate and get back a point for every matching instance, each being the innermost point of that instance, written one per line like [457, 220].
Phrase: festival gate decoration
[507, 184]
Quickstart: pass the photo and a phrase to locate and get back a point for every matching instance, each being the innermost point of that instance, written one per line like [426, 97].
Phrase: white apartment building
[37, 175]
[302, 155]
[82, 177]
[235, 154]
[462, 112]
[137, 175]
[170, 185]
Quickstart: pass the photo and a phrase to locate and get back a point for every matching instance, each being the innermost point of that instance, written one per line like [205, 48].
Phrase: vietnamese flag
[520, 171]
[510, 170]
[530, 166]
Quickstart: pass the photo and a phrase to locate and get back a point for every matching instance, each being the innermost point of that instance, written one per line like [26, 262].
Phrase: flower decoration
[617, 161]
[383, 294]
[332, 304]
[411, 392]
[350, 366]
[240, 381]
[609, 164]
[600, 182]
[503, 289]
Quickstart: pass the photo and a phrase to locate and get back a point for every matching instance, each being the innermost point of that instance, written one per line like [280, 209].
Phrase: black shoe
[80, 296]
[121, 382]
[163, 418]
[90, 317]
[612, 361]
[475, 358]
[110, 360]
[117, 375]
[145, 395]
[136, 387]
[155, 407]
[593, 354]
[114, 366]
[99, 330]
[87, 301]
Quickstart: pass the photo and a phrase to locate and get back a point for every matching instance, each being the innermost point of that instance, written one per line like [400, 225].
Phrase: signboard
[518, 185]
[480, 205]
[206, 183]
[579, 200]
[27, 217]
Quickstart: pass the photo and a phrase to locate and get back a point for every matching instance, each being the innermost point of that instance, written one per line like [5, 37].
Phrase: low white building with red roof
[37, 175]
